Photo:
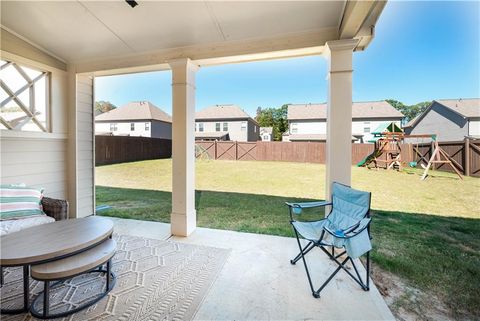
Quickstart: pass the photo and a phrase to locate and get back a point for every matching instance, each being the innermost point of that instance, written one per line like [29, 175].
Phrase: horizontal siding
[35, 162]
[85, 183]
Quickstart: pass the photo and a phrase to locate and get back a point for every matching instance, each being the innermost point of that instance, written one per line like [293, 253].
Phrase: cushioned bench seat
[10, 226]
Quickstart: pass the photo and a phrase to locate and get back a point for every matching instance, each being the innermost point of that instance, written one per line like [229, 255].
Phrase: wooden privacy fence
[120, 149]
[466, 154]
[306, 152]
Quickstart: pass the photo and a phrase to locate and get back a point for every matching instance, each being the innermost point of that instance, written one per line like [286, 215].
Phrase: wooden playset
[387, 152]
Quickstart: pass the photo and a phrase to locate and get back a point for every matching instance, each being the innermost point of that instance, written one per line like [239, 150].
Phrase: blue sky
[421, 51]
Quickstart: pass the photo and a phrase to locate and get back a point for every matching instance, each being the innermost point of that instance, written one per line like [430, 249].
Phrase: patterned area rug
[156, 280]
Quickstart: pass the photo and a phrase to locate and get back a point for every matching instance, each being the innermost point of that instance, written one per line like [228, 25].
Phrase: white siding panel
[474, 128]
[85, 151]
[28, 157]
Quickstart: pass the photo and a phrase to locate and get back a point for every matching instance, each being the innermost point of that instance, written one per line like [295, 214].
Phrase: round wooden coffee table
[50, 242]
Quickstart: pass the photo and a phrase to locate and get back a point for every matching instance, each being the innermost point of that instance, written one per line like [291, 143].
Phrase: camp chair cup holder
[343, 235]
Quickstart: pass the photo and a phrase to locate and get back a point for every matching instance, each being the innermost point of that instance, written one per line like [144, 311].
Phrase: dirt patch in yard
[408, 303]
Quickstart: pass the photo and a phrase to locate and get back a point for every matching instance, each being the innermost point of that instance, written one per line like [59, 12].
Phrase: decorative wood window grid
[24, 96]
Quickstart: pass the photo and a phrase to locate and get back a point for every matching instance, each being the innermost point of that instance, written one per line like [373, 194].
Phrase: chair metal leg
[305, 250]
[46, 298]
[359, 281]
[331, 277]
[305, 264]
[368, 271]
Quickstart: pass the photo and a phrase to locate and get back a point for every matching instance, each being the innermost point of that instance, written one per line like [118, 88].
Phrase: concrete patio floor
[258, 282]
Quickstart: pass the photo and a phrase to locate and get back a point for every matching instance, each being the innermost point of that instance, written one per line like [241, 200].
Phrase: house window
[293, 128]
[366, 127]
[225, 127]
[113, 127]
[217, 127]
[147, 126]
[24, 97]
[243, 126]
[132, 127]
[200, 127]
[265, 137]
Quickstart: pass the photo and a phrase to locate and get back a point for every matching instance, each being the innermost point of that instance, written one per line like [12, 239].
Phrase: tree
[273, 117]
[103, 106]
[410, 111]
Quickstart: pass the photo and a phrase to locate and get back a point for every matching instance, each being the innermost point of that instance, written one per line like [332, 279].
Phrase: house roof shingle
[268, 130]
[228, 111]
[468, 108]
[135, 110]
[367, 109]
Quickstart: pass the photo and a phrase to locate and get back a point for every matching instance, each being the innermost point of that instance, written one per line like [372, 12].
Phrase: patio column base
[183, 224]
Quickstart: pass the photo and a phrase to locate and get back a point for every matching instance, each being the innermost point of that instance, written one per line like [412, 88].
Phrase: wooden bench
[89, 261]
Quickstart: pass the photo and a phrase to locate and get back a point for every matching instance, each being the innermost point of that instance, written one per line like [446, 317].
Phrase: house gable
[442, 121]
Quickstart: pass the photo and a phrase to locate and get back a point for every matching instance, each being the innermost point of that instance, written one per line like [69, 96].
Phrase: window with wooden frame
[24, 97]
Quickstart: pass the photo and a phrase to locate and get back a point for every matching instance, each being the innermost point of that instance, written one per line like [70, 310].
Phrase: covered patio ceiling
[93, 38]
[108, 35]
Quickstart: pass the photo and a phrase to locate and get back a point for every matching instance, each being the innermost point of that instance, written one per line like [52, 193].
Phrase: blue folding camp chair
[347, 226]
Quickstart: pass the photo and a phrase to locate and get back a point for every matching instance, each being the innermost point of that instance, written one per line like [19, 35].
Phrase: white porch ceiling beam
[359, 19]
[292, 45]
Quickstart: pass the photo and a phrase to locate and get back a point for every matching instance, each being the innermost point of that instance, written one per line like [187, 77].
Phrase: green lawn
[426, 232]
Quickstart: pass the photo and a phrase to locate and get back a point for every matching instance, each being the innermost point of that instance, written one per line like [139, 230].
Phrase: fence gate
[246, 151]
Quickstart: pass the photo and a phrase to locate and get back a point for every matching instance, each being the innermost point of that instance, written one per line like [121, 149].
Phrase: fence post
[236, 150]
[215, 149]
[432, 149]
[466, 157]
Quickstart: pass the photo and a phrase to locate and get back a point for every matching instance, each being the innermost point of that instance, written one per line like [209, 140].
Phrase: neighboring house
[449, 119]
[266, 134]
[225, 122]
[138, 118]
[308, 122]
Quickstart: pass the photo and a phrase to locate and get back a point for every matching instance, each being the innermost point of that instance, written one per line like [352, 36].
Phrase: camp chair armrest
[350, 232]
[296, 208]
[308, 204]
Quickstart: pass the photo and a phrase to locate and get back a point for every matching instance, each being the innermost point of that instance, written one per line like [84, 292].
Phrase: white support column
[80, 150]
[339, 112]
[183, 217]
